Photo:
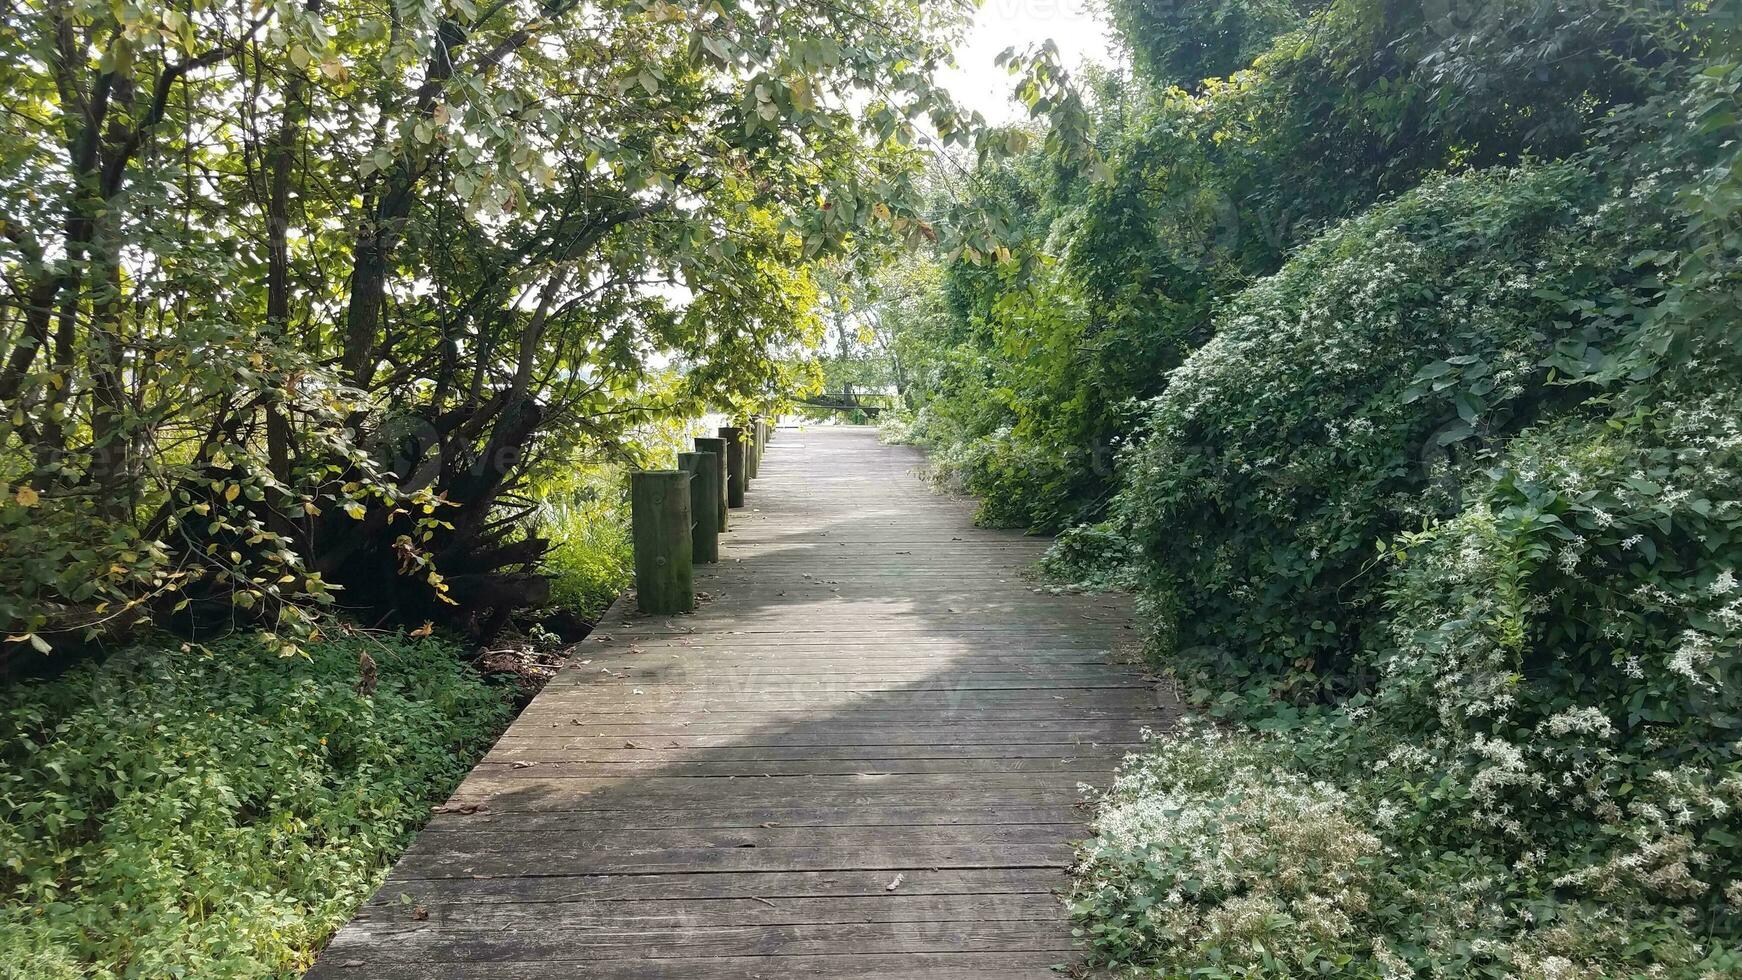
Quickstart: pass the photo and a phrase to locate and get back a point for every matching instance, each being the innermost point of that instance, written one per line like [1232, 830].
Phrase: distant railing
[851, 401]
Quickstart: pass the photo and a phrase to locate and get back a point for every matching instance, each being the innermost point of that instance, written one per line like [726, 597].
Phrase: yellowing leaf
[27, 497]
[232, 491]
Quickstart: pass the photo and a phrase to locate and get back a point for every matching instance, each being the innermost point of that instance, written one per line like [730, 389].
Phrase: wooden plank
[565, 846]
[1031, 965]
[432, 862]
[713, 735]
[1098, 763]
[861, 756]
[777, 886]
[446, 942]
[723, 814]
[503, 794]
[609, 750]
[703, 913]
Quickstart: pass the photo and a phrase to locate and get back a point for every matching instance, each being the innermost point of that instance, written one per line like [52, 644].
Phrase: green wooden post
[659, 513]
[704, 471]
[711, 444]
[752, 448]
[734, 437]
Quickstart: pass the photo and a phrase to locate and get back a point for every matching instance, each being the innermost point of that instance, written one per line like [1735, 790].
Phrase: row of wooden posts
[678, 515]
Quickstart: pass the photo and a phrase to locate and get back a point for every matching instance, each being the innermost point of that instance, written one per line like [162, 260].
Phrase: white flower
[1583, 721]
[1694, 653]
[1724, 584]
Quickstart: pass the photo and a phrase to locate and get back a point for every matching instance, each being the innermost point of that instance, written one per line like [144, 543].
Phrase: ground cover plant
[219, 812]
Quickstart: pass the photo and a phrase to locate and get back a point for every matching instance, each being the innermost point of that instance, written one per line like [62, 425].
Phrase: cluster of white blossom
[1226, 852]
[1582, 721]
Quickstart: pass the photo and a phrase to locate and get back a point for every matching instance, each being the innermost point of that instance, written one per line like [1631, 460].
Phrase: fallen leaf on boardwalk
[771, 824]
[524, 764]
[464, 809]
[420, 913]
[894, 884]
[605, 637]
[630, 745]
[351, 964]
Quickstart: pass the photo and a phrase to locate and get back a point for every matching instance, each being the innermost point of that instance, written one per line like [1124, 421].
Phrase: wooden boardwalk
[859, 758]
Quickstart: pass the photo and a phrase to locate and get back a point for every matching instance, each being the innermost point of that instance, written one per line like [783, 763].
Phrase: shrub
[1535, 626]
[1222, 855]
[1208, 853]
[1337, 403]
[219, 813]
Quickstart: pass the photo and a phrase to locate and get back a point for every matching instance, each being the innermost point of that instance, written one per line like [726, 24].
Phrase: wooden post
[659, 512]
[704, 471]
[710, 444]
[752, 448]
[734, 437]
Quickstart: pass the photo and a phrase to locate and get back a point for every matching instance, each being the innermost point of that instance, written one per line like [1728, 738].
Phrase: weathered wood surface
[871, 694]
[660, 503]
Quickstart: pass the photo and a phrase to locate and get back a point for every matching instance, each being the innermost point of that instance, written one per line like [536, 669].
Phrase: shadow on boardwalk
[860, 758]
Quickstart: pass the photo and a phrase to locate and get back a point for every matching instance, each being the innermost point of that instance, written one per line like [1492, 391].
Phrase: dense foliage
[1395, 368]
[219, 813]
[300, 297]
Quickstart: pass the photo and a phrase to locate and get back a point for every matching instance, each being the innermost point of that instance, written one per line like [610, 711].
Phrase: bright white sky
[1076, 25]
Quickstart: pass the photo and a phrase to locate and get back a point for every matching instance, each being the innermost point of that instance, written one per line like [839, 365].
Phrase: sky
[976, 83]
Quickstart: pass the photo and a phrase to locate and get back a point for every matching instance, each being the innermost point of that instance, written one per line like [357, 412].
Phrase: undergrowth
[194, 813]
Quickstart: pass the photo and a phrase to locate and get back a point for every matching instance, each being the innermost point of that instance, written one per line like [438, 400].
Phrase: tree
[297, 295]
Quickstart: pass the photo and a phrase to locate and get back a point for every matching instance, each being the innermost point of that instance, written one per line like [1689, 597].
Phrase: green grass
[184, 814]
[592, 558]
